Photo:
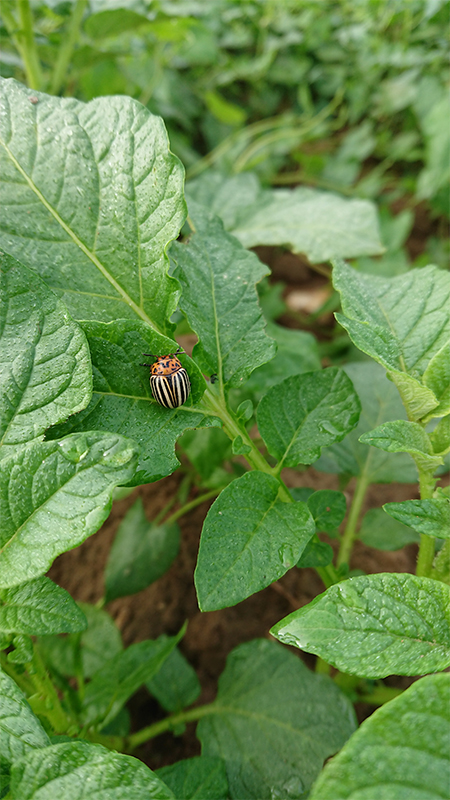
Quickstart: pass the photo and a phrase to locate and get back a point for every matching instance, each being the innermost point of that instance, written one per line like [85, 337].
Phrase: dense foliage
[101, 261]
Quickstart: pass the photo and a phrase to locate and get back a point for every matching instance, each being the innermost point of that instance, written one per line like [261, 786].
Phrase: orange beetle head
[166, 365]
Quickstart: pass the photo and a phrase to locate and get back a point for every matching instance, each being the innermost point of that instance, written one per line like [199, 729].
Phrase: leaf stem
[380, 695]
[27, 48]
[233, 429]
[192, 504]
[21, 678]
[168, 724]
[425, 556]
[48, 700]
[349, 535]
[66, 48]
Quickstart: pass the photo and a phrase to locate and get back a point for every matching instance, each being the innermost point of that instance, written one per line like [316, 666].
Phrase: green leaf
[45, 365]
[316, 554]
[118, 679]
[401, 751]
[274, 722]
[96, 645]
[385, 533]
[53, 495]
[297, 352]
[440, 437]
[431, 517]
[328, 509]
[375, 625]
[140, 554]
[224, 111]
[207, 450]
[239, 448]
[401, 322]
[80, 769]
[220, 301]
[112, 22]
[20, 730]
[304, 413]
[419, 401]
[23, 650]
[39, 607]
[403, 436]
[380, 402]
[437, 378]
[319, 224]
[436, 173]
[199, 778]
[176, 684]
[249, 539]
[97, 192]
[122, 401]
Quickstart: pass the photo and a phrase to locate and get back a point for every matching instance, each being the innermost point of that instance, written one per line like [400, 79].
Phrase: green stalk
[380, 695]
[66, 48]
[256, 128]
[441, 564]
[349, 535]
[427, 543]
[192, 504]
[28, 49]
[168, 724]
[233, 429]
[47, 700]
[21, 678]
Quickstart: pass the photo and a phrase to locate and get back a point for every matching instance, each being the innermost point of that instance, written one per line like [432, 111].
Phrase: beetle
[169, 380]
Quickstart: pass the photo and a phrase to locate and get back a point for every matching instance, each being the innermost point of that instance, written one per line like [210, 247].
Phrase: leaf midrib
[77, 241]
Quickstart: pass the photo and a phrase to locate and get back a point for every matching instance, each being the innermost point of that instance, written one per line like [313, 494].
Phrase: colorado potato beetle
[169, 380]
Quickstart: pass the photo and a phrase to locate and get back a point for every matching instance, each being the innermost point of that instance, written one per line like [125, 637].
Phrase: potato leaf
[375, 625]
[71, 172]
[249, 539]
[219, 298]
[73, 769]
[302, 414]
[269, 703]
[431, 517]
[53, 495]
[400, 751]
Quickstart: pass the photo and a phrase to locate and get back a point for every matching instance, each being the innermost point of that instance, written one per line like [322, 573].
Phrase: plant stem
[380, 695]
[349, 535]
[322, 668]
[168, 724]
[233, 429]
[192, 504]
[66, 48]
[161, 514]
[425, 556]
[48, 700]
[441, 564]
[28, 49]
[427, 543]
[21, 678]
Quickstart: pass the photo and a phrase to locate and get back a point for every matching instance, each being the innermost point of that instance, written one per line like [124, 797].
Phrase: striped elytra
[169, 380]
[172, 390]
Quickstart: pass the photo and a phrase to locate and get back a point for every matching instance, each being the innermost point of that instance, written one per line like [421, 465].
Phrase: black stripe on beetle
[169, 380]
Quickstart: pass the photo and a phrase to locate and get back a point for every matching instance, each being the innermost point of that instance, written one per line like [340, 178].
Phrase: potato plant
[94, 274]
